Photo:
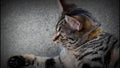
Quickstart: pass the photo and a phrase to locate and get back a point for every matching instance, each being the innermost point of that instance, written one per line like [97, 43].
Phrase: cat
[85, 44]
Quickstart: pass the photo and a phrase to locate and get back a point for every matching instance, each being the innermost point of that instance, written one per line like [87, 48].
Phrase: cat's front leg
[29, 59]
[19, 61]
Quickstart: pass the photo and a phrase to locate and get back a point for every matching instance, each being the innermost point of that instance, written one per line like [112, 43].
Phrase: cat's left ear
[74, 23]
[66, 7]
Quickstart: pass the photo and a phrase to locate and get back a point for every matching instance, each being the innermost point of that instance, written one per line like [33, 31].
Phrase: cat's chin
[56, 42]
[59, 43]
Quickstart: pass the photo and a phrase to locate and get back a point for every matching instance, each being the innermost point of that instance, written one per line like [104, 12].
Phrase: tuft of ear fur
[74, 23]
[65, 7]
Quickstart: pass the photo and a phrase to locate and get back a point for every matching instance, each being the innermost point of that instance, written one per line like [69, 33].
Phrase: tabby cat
[85, 45]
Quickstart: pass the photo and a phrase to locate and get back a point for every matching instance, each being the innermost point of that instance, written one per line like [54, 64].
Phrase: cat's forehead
[63, 25]
[60, 24]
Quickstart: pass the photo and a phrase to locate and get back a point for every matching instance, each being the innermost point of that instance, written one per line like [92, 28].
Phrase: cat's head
[71, 30]
[72, 26]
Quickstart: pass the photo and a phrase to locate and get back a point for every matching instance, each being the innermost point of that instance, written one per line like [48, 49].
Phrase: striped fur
[83, 46]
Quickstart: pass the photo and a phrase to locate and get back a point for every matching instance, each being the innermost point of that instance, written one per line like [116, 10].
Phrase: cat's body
[92, 54]
[84, 44]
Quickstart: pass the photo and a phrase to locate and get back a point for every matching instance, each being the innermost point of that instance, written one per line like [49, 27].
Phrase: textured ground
[27, 26]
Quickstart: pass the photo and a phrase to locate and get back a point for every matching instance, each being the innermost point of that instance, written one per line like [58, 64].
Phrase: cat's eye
[71, 39]
[73, 31]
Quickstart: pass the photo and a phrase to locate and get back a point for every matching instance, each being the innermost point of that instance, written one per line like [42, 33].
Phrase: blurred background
[27, 26]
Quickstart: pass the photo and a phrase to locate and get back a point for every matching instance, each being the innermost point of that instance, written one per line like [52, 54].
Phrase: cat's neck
[90, 35]
[94, 34]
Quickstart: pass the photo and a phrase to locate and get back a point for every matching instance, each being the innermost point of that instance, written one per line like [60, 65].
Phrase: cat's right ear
[65, 7]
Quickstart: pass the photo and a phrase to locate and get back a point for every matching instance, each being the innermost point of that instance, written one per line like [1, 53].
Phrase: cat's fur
[85, 45]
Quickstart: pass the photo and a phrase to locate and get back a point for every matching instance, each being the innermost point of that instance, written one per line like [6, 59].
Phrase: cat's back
[96, 52]
[99, 52]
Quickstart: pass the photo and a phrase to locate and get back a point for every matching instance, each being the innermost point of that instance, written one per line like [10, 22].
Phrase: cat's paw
[17, 62]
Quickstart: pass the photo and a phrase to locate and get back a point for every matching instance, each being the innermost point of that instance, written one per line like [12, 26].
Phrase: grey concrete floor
[27, 26]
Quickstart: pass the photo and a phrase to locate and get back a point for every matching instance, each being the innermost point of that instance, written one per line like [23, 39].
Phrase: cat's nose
[56, 36]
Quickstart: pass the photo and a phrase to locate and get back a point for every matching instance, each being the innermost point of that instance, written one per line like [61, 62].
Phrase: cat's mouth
[57, 40]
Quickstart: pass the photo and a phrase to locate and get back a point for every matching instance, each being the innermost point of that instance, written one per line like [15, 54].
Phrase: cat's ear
[74, 23]
[65, 7]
